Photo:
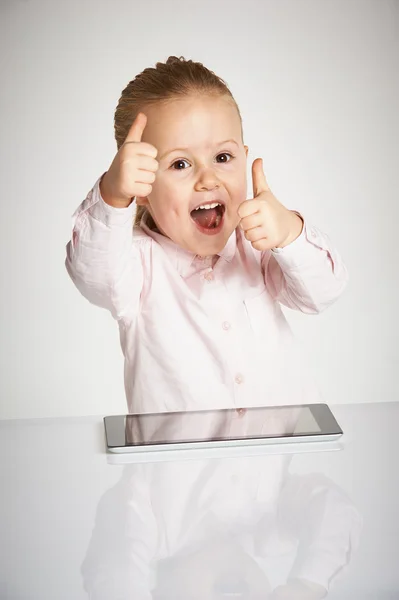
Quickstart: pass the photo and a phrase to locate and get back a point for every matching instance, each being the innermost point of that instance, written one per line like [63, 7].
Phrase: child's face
[202, 161]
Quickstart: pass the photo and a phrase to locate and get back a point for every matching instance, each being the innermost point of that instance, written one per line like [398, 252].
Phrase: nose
[207, 180]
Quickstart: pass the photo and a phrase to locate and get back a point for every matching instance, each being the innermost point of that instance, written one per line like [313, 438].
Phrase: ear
[246, 150]
[142, 201]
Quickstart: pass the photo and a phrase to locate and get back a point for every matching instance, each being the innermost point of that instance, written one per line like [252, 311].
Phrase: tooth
[210, 205]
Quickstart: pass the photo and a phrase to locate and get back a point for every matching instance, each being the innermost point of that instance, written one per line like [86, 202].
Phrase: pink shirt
[201, 333]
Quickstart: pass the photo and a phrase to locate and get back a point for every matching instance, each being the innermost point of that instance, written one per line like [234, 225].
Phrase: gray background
[317, 85]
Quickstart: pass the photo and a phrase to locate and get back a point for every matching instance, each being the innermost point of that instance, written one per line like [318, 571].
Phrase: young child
[196, 285]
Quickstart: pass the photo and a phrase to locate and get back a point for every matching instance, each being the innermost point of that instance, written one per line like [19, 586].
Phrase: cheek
[239, 182]
[166, 206]
[163, 191]
[240, 190]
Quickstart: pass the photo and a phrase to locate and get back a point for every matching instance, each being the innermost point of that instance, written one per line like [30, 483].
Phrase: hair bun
[174, 59]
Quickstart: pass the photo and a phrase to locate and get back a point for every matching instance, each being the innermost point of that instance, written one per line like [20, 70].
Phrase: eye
[225, 154]
[179, 162]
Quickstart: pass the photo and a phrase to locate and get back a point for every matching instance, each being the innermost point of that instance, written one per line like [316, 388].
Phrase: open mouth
[209, 217]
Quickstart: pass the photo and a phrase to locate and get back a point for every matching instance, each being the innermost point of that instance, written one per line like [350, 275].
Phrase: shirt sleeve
[102, 259]
[326, 524]
[123, 541]
[308, 274]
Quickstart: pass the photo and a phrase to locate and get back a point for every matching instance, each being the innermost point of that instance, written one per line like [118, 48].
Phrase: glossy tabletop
[306, 524]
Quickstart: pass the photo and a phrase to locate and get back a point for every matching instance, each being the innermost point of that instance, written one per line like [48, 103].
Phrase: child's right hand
[133, 169]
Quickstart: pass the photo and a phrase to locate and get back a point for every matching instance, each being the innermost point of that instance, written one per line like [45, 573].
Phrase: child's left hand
[265, 221]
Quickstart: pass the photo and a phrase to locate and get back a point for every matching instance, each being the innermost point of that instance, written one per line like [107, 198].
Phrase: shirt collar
[183, 259]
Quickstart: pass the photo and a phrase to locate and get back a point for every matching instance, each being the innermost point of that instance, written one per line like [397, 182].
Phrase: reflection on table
[242, 528]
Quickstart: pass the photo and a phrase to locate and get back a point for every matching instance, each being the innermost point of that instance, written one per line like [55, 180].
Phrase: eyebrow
[186, 149]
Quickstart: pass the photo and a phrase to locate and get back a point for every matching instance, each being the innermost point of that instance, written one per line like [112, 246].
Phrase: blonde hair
[176, 78]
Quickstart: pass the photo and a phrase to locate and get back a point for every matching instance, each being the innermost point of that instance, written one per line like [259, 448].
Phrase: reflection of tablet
[220, 428]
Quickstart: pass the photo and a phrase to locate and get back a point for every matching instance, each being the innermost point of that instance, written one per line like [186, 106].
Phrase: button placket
[239, 379]
[209, 276]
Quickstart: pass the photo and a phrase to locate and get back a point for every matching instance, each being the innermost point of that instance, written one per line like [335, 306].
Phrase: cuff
[101, 211]
[304, 249]
[297, 242]
[320, 570]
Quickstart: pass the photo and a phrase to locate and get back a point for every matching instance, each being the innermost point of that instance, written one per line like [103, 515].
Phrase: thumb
[136, 129]
[259, 182]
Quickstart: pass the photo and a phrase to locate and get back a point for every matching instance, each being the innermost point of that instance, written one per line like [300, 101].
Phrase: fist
[133, 169]
[266, 223]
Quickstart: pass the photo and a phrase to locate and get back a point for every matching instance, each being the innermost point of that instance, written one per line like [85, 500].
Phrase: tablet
[222, 452]
[155, 432]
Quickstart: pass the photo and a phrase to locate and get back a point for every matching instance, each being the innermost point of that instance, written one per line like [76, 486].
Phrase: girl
[196, 285]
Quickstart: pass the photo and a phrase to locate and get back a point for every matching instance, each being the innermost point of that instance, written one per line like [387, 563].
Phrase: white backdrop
[317, 83]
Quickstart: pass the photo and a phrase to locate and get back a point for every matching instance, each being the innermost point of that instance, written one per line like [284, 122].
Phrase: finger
[251, 221]
[249, 207]
[143, 190]
[255, 234]
[144, 149]
[147, 163]
[136, 129]
[145, 176]
[259, 182]
[262, 245]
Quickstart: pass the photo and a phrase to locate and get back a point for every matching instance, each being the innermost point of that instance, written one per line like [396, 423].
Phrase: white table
[181, 529]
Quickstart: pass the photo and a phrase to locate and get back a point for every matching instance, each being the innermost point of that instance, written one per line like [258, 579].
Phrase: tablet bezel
[115, 432]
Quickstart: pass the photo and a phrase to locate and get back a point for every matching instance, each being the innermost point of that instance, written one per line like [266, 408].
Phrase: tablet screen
[220, 425]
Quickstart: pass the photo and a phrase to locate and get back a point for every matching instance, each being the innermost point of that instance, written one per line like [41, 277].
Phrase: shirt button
[313, 233]
[226, 325]
[239, 379]
[208, 276]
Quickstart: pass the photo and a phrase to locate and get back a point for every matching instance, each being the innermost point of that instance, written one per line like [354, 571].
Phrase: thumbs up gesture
[133, 169]
[265, 221]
